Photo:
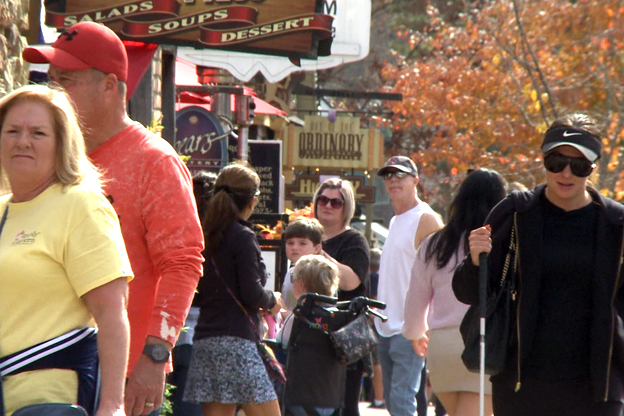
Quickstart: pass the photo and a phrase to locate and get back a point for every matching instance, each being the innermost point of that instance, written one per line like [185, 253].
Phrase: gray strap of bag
[4, 217]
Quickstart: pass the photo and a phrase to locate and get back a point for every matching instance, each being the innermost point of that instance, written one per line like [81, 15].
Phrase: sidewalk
[366, 411]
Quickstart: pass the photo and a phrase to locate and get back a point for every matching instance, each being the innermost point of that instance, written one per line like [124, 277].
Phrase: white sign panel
[352, 19]
[269, 257]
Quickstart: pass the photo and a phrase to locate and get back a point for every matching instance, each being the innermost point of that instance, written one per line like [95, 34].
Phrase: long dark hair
[234, 189]
[477, 195]
[203, 188]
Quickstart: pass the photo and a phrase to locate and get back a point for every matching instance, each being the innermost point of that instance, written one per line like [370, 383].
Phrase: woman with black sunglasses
[334, 206]
[567, 352]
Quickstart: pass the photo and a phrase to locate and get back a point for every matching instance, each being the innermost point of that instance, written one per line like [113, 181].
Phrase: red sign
[276, 27]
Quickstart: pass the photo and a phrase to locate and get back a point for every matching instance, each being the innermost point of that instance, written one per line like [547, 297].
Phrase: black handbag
[499, 321]
[273, 366]
[355, 340]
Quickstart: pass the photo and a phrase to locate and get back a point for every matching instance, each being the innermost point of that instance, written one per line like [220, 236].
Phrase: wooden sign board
[341, 144]
[305, 186]
[294, 29]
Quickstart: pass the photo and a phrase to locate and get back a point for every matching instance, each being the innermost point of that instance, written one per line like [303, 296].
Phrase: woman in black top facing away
[226, 369]
[567, 356]
[334, 205]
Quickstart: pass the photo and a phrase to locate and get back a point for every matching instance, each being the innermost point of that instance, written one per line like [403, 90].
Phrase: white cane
[482, 313]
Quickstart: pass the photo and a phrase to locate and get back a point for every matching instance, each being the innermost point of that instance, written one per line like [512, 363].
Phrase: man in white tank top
[413, 221]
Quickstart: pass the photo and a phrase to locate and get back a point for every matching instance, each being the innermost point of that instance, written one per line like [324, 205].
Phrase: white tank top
[397, 258]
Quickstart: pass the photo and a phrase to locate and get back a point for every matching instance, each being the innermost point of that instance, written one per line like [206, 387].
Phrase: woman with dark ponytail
[226, 369]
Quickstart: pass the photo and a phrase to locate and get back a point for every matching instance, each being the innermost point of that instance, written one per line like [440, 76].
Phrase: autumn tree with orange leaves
[482, 91]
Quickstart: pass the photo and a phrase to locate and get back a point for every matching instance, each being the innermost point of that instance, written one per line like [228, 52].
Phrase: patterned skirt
[227, 370]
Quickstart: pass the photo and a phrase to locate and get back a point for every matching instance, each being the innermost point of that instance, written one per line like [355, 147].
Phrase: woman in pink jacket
[432, 313]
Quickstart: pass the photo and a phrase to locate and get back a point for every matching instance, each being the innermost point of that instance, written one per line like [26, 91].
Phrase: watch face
[158, 353]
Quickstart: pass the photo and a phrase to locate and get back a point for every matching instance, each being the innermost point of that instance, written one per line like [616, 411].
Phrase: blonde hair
[72, 165]
[318, 274]
[346, 190]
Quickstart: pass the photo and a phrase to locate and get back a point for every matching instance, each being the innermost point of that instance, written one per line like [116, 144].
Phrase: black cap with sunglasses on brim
[400, 163]
[588, 144]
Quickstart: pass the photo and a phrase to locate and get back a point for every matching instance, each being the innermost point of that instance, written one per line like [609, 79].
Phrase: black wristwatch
[156, 352]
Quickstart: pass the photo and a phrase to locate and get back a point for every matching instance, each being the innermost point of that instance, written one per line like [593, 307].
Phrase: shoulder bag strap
[512, 249]
[240, 305]
[516, 251]
[4, 217]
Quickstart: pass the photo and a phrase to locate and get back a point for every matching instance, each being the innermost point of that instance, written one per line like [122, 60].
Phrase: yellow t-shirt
[53, 249]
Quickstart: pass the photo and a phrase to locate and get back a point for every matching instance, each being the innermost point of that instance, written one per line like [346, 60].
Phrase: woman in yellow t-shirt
[64, 269]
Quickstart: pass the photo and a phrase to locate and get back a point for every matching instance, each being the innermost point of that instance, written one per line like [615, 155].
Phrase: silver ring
[149, 404]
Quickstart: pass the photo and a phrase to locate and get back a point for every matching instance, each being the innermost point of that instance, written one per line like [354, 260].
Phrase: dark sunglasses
[336, 203]
[399, 175]
[556, 162]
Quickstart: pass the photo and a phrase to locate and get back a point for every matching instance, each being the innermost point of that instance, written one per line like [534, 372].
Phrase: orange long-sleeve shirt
[151, 190]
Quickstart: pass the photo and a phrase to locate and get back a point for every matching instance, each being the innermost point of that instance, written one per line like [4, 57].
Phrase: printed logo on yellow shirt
[24, 238]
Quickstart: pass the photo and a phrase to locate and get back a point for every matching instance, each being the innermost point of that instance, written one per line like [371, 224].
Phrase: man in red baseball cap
[85, 45]
[152, 192]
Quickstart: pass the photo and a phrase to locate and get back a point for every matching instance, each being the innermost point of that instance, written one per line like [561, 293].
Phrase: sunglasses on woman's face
[336, 203]
[399, 175]
[556, 162]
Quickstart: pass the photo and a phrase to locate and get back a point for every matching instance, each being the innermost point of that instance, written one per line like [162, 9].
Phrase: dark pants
[422, 403]
[439, 408]
[548, 398]
[181, 359]
[352, 391]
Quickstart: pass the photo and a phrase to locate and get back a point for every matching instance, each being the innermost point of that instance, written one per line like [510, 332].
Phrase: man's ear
[110, 82]
[318, 248]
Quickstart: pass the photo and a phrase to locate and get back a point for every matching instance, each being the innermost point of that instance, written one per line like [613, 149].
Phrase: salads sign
[289, 28]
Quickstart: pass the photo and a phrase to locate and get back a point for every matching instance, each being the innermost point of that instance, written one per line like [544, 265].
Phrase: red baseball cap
[85, 45]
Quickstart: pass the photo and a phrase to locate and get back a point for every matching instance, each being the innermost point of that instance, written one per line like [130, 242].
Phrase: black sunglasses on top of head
[336, 203]
[556, 162]
[398, 173]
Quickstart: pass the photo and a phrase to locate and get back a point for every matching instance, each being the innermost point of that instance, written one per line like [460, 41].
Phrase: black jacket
[607, 329]
[239, 264]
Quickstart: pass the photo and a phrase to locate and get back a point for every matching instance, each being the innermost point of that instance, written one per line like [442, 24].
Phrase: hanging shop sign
[305, 186]
[351, 29]
[276, 27]
[341, 144]
[199, 134]
[265, 157]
